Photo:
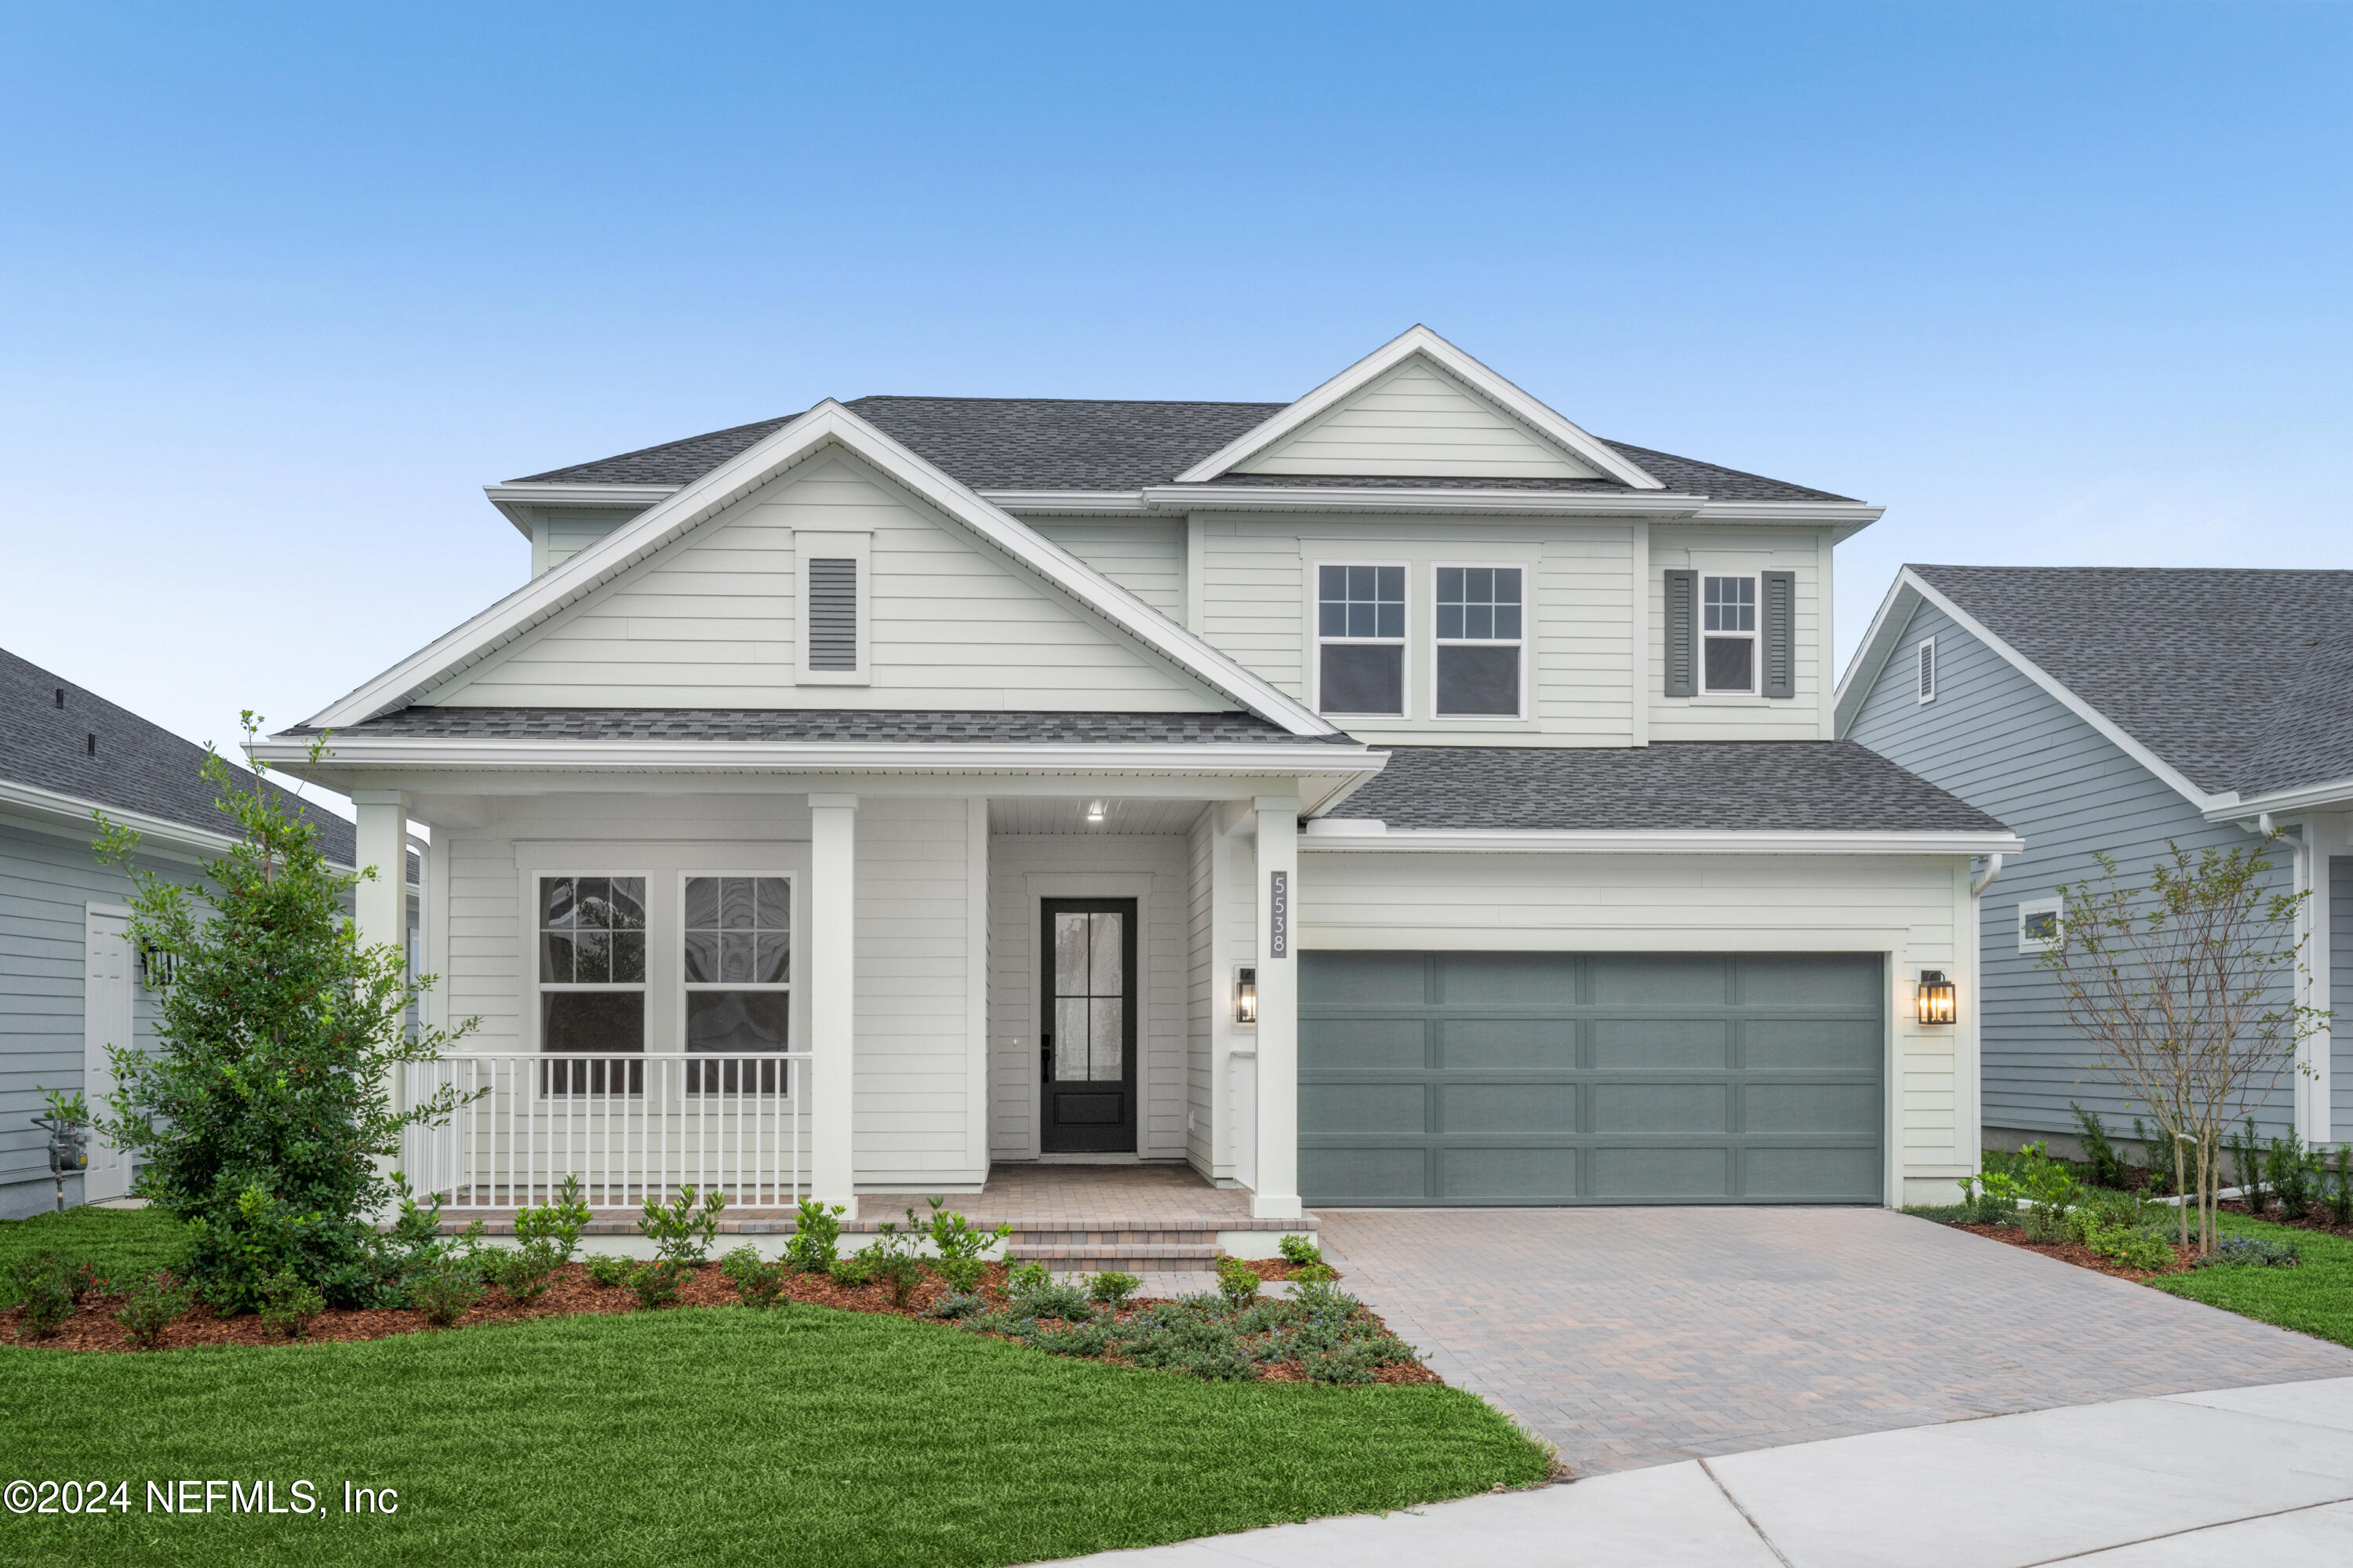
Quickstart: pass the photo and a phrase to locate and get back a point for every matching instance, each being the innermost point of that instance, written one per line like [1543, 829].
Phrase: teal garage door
[1548, 1078]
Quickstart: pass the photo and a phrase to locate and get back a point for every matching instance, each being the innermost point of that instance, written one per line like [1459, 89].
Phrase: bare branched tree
[2180, 984]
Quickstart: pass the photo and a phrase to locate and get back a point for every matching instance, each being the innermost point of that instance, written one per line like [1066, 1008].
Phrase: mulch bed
[571, 1293]
[1277, 1268]
[2077, 1253]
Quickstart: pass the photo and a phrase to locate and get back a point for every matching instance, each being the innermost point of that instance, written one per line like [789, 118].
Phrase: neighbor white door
[106, 1020]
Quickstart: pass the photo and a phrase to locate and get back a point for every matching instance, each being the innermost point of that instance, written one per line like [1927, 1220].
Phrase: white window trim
[540, 988]
[1923, 662]
[1755, 636]
[2029, 908]
[1520, 644]
[685, 987]
[814, 544]
[1404, 643]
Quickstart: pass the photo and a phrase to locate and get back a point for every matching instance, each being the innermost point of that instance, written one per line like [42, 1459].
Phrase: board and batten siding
[1999, 741]
[1417, 421]
[916, 904]
[1155, 870]
[1146, 558]
[1910, 909]
[711, 621]
[48, 878]
[1803, 715]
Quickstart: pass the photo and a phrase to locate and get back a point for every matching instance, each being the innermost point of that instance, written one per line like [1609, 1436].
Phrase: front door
[1088, 1055]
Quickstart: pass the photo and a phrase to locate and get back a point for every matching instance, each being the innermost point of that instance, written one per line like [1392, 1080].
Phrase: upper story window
[1479, 631]
[592, 980]
[1360, 640]
[1729, 634]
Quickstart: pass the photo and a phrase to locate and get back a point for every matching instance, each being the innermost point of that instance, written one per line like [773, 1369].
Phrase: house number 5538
[1279, 919]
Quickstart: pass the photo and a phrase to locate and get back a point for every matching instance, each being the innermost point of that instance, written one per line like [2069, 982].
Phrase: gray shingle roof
[135, 767]
[1794, 786]
[828, 724]
[2235, 676]
[1076, 443]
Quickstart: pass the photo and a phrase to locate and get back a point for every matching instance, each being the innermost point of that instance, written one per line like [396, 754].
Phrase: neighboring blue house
[2119, 710]
[68, 980]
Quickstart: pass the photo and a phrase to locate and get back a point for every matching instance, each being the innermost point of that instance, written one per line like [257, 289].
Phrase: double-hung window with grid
[1479, 624]
[738, 970]
[592, 982]
[1728, 652]
[1360, 640]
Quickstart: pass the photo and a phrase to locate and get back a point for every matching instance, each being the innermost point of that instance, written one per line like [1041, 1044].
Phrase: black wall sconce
[1939, 1003]
[1246, 994]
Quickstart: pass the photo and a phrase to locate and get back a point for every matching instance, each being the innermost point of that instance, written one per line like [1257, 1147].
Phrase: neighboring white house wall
[914, 1039]
[1153, 869]
[711, 621]
[1908, 908]
[1746, 549]
[1417, 421]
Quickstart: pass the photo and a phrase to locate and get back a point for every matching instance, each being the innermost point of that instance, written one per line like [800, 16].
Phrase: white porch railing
[628, 1127]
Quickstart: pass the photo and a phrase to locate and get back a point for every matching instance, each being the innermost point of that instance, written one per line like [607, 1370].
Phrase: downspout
[1978, 883]
[1971, 1079]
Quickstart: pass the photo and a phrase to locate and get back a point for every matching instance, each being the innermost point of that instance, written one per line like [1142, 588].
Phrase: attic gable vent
[1926, 655]
[833, 614]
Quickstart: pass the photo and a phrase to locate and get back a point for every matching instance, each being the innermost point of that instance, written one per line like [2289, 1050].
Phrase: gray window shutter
[1779, 626]
[833, 615]
[1683, 595]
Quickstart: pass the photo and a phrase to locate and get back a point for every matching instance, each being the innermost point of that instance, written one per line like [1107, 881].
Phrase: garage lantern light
[1938, 1002]
[1246, 995]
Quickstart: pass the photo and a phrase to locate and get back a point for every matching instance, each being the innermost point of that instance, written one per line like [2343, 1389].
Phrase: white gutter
[2334, 793]
[512, 499]
[70, 808]
[824, 757]
[1328, 834]
[1341, 498]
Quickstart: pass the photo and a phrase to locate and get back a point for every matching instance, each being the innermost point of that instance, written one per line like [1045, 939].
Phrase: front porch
[1165, 1221]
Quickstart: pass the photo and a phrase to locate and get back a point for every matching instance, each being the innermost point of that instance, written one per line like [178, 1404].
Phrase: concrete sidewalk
[2246, 1475]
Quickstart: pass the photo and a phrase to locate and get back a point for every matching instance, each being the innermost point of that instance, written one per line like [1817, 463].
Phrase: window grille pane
[1479, 682]
[775, 896]
[1731, 663]
[1106, 1045]
[1104, 964]
[592, 957]
[1069, 1038]
[628, 957]
[701, 903]
[555, 958]
[735, 958]
[1360, 601]
[1069, 955]
[1730, 604]
[555, 898]
[1363, 678]
[1478, 603]
[628, 902]
[702, 957]
[772, 961]
[735, 904]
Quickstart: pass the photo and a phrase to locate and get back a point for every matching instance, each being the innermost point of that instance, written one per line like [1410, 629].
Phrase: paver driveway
[1634, 1337]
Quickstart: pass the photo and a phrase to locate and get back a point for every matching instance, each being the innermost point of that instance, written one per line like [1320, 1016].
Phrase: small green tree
[2178, 984]
[262, 1114]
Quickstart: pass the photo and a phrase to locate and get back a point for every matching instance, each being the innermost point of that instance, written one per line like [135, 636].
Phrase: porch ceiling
[1049, 815]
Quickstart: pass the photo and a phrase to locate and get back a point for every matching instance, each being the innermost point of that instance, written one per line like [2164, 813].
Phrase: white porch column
[1276, 1196]
[379, 908]
[832, 1011]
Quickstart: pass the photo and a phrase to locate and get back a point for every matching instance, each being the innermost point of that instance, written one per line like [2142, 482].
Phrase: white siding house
[863, 800]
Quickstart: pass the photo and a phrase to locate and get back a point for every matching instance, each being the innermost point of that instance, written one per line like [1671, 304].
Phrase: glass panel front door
[1088, 1057]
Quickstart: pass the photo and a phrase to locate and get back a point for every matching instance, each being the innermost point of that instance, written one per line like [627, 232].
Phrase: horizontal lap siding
[2339, 891]
[562, 533]
[47, 880]
[712, 621]
[1145, 558]
[1164, 952]
[2000, 742]
[913, 951]
[1677, 546]
[1664, 904]
[1417, 421]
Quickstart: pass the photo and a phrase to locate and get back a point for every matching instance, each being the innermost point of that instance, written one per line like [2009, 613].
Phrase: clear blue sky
[280, 289]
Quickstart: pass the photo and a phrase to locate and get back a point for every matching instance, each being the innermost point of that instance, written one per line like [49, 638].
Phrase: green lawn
[723, 1436]
[124, 1243]
[2314, 1298]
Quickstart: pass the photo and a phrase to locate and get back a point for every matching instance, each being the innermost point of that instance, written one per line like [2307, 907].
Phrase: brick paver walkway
[1634, 1337]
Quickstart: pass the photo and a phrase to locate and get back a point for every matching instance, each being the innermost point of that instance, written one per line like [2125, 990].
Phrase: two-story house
[1398, 796]
[2128, 712]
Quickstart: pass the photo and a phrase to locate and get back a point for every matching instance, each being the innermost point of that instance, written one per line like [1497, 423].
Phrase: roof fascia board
[826, 424]
[826, 757]
[515, 501]
[1660, 841]
[2330, 794]
[2109, 730]
[1084, 502]
[1336, 498]
[1418, 339]
[1853, 517]
[51, 806]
